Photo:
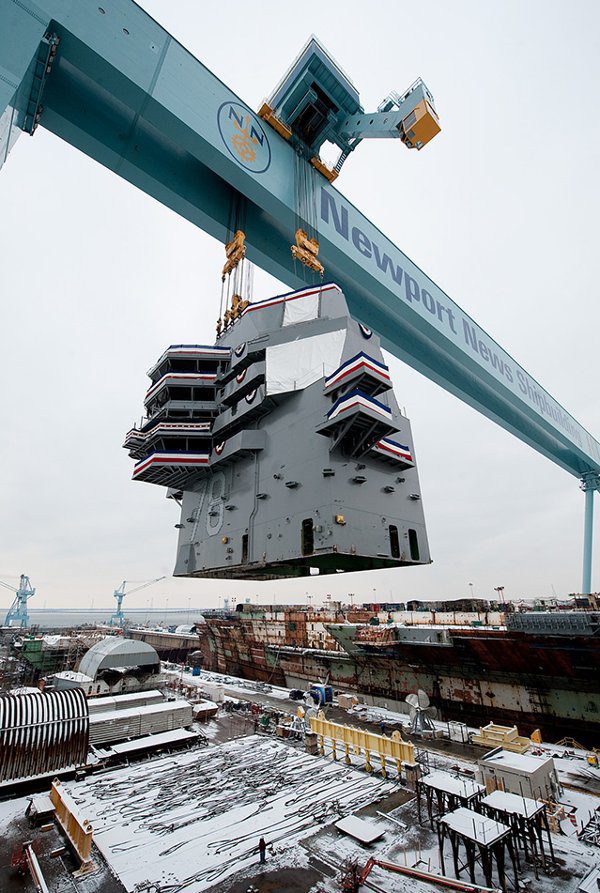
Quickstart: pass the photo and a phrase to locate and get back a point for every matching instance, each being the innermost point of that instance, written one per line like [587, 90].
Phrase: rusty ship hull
[171, 646]
[473, 675]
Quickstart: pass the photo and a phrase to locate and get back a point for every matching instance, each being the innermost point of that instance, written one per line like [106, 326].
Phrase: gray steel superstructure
[284, 445]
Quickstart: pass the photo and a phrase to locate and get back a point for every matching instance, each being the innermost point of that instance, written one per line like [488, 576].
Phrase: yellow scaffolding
[361, 740]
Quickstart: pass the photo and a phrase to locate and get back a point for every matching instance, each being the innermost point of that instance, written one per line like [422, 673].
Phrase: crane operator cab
[420, 126]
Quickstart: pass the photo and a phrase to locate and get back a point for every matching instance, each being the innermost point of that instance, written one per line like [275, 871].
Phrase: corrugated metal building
[116, 725]
[42, 732]
[124, 702]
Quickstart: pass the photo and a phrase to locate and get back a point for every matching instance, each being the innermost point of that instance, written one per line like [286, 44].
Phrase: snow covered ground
[417, 846]
[194, 819]
[232, 684]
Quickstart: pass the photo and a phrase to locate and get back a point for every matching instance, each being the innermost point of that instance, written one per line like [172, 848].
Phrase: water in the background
[53, 618]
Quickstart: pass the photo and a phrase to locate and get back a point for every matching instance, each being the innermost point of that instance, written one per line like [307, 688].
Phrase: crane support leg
[589, 483]
[588, 533]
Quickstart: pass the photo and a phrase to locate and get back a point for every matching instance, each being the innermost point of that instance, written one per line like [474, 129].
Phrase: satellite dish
[420, 712]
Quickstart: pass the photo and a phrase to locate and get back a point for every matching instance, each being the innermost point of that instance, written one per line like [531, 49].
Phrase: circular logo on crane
[244, 137]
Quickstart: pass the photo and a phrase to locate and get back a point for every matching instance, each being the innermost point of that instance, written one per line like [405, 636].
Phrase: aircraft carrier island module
[284, 445]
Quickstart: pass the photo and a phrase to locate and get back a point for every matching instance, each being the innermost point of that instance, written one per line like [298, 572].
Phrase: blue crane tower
[109, 80]
[18, 614]
[118, 617]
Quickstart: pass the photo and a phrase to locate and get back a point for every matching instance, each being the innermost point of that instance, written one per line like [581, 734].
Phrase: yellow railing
[360, 740]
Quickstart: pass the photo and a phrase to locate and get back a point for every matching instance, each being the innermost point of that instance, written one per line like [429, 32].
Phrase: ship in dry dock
[536, 669]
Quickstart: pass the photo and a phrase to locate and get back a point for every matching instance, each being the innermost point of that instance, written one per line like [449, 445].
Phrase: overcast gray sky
[500, 210]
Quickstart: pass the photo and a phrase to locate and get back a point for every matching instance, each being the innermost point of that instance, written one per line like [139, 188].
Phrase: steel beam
[123, 91]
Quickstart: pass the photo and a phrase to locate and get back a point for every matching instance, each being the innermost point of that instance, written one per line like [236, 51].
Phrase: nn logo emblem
[244, 137]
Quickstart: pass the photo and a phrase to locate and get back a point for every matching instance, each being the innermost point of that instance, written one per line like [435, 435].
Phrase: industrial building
[121, 664]
[519, 773]
[137, 722]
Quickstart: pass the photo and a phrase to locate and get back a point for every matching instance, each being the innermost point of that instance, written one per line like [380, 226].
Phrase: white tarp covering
[297, 364]
[301, 309]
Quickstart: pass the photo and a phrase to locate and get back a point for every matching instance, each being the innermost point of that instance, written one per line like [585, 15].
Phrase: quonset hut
[42, 732]
[122, 664]
[284, 445]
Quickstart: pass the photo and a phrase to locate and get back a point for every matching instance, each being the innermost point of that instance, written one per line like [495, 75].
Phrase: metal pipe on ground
[437, 879]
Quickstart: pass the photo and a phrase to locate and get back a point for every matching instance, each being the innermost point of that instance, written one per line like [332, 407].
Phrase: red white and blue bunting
[181, 378]
[356, 399]
[395, 449]
[175, 460]
[361, 362]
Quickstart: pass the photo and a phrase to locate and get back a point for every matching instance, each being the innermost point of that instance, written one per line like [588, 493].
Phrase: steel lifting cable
[315, 221]
[329, 786]
[306, 786]
[316, 811]
[236, 221]
[298, 162]
[221, 846]
[191, 821]
[177, 846]
[165, 787]
[288, 767]
[157, 826]
[221, 300]
[212, 873]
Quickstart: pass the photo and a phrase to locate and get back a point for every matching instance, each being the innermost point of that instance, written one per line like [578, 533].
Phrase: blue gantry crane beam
[108, 79]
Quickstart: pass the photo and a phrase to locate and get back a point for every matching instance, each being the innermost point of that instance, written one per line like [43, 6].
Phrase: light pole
[500, 591]
[471, 585]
